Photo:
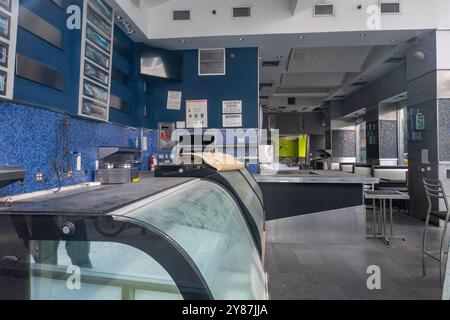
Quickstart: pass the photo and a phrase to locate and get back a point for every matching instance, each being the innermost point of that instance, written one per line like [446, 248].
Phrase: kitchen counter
[330, 203]
[314, 176]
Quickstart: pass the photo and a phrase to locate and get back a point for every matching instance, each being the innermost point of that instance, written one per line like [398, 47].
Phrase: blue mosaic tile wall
[28, 138]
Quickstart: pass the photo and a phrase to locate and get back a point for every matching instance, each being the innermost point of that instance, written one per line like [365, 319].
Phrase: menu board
[96, 60]
[196, 113]
[8, 33]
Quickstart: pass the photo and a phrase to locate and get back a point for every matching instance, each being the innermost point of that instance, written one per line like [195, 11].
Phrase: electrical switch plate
[38, 177]
[79, 162]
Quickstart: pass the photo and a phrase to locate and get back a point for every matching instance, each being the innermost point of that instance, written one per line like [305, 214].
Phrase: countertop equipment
[117, 165]
[10, 175]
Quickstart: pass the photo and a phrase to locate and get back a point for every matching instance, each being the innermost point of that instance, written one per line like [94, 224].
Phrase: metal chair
[435, 191]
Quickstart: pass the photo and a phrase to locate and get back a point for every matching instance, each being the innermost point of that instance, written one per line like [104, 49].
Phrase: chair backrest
[397, 173]
[435, 190]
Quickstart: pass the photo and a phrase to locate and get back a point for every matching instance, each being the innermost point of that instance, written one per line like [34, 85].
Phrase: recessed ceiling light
[363, 35]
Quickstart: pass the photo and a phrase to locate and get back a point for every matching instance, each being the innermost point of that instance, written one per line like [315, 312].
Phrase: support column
[343, 143]
[428, 77]
[382, 134]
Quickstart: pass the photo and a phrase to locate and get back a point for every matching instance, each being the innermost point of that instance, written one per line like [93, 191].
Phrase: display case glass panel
[91, 270]
[204, 219]
[248, 196]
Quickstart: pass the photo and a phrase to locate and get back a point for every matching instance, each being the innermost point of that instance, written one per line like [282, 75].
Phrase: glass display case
[188, 241]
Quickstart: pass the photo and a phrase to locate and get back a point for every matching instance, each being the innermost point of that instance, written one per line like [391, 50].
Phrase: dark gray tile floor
[299, 271]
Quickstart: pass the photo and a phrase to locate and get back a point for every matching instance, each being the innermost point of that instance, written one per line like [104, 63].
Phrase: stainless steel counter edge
[315, 179]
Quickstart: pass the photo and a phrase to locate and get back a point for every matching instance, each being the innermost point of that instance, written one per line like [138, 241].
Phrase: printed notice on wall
[232, 120]
[196, 113]
[180, 124]
[174, 100]
[232, 106]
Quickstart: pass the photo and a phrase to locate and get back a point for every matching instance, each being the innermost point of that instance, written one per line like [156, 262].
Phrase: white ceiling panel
[313, 79]
[337, 59]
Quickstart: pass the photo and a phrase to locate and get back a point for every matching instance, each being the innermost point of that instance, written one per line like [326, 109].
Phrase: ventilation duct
[274, 63]
[179, 15]
[211, 62]
[321, 10]
[241, 12]
[390, 8]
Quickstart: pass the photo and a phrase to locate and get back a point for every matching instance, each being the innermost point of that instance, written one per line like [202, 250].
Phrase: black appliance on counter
[10, 175]
[117, 165]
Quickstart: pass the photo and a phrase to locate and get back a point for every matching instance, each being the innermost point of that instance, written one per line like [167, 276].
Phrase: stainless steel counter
[314, 176]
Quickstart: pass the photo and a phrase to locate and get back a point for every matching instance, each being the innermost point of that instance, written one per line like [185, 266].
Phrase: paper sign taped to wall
[232, 120]
[196, 113]
[232, 106]
[174, 100]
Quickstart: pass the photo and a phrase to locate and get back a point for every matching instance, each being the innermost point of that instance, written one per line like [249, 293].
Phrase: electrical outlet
[38, 177]
[69, 174]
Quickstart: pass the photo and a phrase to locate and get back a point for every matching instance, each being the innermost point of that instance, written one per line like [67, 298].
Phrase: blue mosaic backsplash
[33, 138]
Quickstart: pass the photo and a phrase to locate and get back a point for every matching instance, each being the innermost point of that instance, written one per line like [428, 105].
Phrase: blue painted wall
[66, 60]
[239, 83]
[133, 93]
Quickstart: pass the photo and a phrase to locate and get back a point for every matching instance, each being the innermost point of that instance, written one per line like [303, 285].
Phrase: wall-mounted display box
[96, 60]
[9, 11]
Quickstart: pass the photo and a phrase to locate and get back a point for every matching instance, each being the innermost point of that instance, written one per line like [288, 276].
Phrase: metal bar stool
[435, 191]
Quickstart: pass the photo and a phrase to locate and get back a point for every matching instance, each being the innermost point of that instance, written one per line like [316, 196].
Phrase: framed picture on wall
[96, 92]
[6, 4]
[102, 7]
[96, 56]
[99, 22]
[3, 79]
[98, 39]
[4, 49]
[95, 73]
[93, 109]
[4, 25]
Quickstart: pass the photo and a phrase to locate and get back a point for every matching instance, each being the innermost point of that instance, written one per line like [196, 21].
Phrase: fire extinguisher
[152, 163]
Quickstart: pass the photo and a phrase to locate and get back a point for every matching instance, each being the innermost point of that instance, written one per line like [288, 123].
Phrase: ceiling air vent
[241, 12]
[321, 10]
[211, 62]
[274, 63]
[395, 60]
[390, 7]
[265, 85]
[179, 15]
[358, 84]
